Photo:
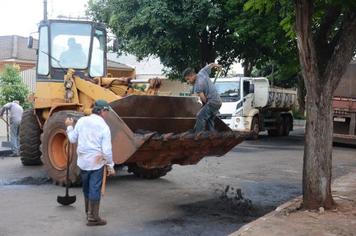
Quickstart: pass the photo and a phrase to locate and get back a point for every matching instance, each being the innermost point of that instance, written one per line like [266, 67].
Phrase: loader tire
[30, 139]
[145, 173]
[54, 149]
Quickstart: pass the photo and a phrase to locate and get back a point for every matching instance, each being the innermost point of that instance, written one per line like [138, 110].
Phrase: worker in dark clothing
[16, 111]
[205, 89]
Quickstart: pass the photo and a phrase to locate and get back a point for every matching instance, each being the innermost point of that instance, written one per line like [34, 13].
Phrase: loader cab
[79, 45]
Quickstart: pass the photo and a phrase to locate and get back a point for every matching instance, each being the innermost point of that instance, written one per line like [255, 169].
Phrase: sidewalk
[287, 220]
[299, 123]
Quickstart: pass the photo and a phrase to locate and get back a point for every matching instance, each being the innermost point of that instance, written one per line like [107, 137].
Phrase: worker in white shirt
[94, 151]
[15, 119]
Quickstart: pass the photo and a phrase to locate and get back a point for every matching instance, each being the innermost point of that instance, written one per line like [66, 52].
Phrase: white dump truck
[251, 104]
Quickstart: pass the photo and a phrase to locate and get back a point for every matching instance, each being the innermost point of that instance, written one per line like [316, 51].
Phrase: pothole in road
[28, 181]
[222, 214]
[233, 200]
[229, 203]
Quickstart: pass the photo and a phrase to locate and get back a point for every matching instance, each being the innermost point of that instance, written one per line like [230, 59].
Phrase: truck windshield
[70, 45]
[229, 91]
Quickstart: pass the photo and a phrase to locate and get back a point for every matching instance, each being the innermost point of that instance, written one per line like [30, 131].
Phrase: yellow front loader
[149, 132]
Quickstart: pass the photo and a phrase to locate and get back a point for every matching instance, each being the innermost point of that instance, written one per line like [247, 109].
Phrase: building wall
[174, 88]
[29, 78]
[23, 66]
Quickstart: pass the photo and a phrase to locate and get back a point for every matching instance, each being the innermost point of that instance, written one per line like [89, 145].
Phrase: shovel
[67, 200]
[217, 75]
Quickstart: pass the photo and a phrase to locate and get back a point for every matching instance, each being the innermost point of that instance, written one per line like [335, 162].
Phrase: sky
[21, 17]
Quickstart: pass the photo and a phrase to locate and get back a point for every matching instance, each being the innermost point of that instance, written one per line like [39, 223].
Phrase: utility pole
[44, 9]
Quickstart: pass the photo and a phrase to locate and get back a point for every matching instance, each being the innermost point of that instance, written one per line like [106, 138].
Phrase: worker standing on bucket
[205, 89]
[94, 152]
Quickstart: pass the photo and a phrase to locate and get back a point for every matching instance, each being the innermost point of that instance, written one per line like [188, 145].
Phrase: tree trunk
[248, 67]
[318, 137]
[320, 81]
[318, 150]
[301, 94]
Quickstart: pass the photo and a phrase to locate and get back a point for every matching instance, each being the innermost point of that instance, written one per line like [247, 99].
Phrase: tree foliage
[193, 33]
[264, 45]
[181, 33]
[12, 87]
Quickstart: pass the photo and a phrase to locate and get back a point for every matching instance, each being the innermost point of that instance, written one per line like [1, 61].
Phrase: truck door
[247, 97]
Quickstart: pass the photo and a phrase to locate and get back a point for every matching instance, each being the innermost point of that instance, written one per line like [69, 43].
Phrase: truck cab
[235, 95]
[251, 104]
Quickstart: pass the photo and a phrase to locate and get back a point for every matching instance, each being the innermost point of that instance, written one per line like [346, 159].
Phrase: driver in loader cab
[205, 89]
[93, 138]
[74, 55]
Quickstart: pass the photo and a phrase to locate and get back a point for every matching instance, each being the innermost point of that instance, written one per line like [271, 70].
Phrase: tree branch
[307, 55]
[323, 47]
[327, 24]
[343, 51]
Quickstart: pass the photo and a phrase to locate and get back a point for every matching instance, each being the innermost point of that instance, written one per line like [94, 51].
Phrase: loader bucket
[153, 131]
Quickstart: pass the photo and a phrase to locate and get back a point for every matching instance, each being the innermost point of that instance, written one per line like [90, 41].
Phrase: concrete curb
[284, 209]
[299, 123]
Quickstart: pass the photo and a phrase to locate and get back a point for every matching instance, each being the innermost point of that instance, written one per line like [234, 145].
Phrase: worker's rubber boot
[93, 214]
[86, 201]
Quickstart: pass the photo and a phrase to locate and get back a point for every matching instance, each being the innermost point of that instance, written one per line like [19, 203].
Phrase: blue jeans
[14, 136]
[92, 181]
[206, 118]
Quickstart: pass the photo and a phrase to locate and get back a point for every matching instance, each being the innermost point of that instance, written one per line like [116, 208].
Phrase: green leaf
[12, 87]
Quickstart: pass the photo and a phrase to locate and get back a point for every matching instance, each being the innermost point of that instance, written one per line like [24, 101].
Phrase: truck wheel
[277, 132]
[54, 149]
[145, 173]
[30, 139]
[255, 128]
[286, 125]
[272, 132]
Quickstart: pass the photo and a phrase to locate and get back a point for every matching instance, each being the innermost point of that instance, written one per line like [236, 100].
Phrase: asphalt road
[215, 197]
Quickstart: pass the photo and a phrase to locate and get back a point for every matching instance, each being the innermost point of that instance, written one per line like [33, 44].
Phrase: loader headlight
[68, 84]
